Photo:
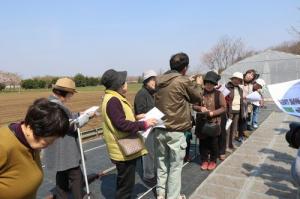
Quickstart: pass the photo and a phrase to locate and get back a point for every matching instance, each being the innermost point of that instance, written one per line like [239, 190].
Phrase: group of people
[177, 96]
[163, 151]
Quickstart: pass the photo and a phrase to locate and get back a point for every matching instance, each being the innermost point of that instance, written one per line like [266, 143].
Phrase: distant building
[273, 67]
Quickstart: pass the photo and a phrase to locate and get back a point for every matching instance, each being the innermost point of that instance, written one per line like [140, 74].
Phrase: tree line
[47, 82]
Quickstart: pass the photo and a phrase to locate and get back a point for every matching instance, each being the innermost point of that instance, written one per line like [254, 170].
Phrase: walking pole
[83, 163]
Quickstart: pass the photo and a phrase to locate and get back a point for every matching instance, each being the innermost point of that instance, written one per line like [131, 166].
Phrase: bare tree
[226, 52]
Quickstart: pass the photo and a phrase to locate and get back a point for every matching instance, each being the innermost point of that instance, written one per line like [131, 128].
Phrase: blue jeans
[255, 114]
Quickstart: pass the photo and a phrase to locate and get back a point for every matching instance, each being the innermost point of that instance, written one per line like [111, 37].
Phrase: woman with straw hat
[64, 155]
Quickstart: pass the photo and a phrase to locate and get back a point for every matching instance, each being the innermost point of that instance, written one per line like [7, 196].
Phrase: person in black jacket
[144, 102]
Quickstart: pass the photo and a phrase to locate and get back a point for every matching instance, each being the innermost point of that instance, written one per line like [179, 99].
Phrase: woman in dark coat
[213, 105]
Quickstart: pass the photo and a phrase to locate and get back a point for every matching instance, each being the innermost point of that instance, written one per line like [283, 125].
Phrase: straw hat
[65, 84]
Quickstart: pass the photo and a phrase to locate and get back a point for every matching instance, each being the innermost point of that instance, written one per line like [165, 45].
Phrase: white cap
[149, 73]
[261, 82]
[238, 75]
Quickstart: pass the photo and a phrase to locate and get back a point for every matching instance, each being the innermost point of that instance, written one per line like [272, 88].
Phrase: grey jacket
[64, 153]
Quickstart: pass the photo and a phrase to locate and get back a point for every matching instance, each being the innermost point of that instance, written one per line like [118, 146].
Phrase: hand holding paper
[155, 114]
[254, 96]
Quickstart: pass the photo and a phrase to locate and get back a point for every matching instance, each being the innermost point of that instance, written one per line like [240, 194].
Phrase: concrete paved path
[258, 169]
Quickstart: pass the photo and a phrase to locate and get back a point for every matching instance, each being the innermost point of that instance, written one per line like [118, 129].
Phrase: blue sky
[61, 38]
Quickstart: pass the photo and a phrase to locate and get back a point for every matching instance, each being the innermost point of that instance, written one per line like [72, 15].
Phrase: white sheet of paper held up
[156, 114]
[254, 96]
[90, 111]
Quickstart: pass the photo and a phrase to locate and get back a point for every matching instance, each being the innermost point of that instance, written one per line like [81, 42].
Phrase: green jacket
[174, 96]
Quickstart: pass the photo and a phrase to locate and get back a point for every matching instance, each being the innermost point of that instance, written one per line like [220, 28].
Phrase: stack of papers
[156, 114]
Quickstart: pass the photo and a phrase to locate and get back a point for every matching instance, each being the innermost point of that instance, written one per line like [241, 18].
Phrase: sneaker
[255, 126]
[240, 139]
[204, 165]
[212, 165]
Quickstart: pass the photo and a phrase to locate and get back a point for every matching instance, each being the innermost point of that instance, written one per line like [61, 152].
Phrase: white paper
[156, 114]
[224, 90]
[254, 96]
[228, 123]
[286, 96]
[89, 112]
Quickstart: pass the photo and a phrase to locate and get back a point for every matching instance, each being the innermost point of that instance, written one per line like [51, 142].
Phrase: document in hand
[254, 96]
[89, 112]
[286, 96]
[224, 90]
[156, 114]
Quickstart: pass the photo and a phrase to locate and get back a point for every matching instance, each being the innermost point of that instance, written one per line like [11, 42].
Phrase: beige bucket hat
[65, 84]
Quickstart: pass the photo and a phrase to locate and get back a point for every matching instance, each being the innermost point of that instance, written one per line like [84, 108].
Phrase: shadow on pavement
[276, 177]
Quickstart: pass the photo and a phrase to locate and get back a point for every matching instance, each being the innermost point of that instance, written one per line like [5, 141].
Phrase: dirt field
[13, 106]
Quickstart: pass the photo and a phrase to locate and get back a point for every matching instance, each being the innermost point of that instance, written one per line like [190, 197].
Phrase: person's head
[237, 78]
[211, 80]
[64, 88]
[149, 79]
[250, 76]
[259, 84]
[44, 122]
[115, 80]
[179, 62]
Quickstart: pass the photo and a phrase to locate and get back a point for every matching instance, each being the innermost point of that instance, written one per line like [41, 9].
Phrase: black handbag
[211, 129]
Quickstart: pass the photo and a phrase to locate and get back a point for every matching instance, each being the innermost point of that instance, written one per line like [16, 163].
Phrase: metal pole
[83, 163]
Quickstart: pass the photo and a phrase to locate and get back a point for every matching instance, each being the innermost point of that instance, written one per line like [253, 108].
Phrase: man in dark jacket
[144, 102]
[174, 95]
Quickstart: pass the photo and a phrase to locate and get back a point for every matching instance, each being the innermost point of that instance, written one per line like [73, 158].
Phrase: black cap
[113, 80]
[212, 76]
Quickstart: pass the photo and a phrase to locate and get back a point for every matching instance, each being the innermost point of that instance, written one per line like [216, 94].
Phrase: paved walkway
[259, 169]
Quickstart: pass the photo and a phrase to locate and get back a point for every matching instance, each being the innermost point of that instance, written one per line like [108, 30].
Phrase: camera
[293, 135]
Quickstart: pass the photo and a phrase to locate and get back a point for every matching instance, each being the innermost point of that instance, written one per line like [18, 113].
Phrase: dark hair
[47, 118]
[179, 61]
[255, 75]
[60, 92]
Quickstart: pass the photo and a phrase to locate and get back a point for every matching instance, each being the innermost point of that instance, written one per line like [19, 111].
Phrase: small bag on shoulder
[131, 144]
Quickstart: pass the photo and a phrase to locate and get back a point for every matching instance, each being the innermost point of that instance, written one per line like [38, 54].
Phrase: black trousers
[222, 136]
[209, 145]
[69, 180]
[125, 178]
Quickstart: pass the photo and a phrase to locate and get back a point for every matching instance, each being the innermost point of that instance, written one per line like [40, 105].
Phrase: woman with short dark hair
[20, 143]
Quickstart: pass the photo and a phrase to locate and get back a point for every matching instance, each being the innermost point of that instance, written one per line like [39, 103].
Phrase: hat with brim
[260, 82]
[148, 74]
[113, 80]
[237, 75]
[65, 84]
[212, 77]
